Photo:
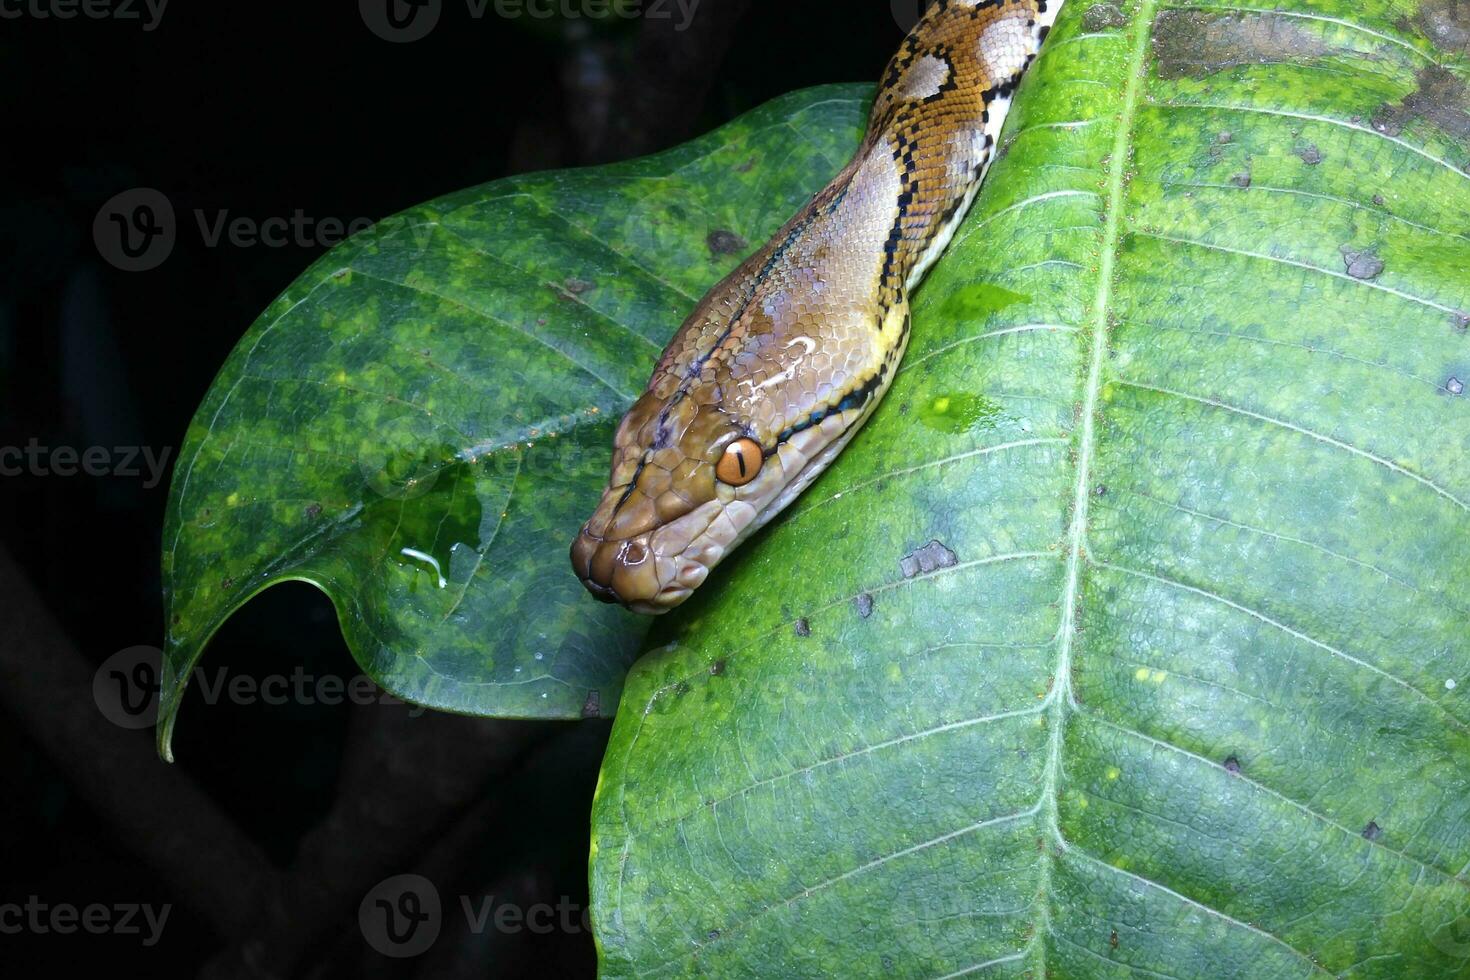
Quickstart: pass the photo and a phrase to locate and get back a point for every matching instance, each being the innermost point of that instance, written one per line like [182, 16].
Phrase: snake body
[783, 360]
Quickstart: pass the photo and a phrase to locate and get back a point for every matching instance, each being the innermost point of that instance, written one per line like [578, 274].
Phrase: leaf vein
[1301, 430]
[1290, 631]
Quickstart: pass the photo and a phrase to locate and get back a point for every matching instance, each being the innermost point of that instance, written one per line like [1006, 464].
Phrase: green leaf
[419, 424]
[1132, 637]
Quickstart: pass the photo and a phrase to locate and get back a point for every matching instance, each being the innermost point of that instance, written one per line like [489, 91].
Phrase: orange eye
[741, 462]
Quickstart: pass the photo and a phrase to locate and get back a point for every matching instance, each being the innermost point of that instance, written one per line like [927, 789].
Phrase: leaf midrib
[1063, 699]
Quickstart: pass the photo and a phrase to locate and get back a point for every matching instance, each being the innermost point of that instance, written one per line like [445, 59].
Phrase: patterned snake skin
[782, 362]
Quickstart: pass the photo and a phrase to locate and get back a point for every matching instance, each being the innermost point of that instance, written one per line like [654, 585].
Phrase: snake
[784, 359]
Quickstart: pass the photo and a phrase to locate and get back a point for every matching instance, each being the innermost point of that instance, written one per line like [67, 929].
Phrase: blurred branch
[46, 686]
[405, 782]
[474, 859]
[508, 846]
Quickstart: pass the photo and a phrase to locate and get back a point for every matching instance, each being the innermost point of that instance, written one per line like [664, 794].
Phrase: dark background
[277, 820]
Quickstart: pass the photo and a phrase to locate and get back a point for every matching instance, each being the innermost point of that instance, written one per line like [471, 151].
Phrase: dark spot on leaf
[1197, 44]
[1102, 16]
[1225, 137]
[1462, 322]
[577, 286]
[681, 689]
[1372, 831]
[1362, 265]
[314, 511]
[1378, 200]
[1440, 100]
[1232, 765]
[746, 167]
[803, 628]
[931, 557]
[713, 934]
[228, 582]
[1241, 179]
[864, 605]
[1389, 119]
[723, 242]
[592, 707]
[1310, 155]
[717, 669]
[1102, 490]
[1455, 386]
[1445, 22]
[1113, 939]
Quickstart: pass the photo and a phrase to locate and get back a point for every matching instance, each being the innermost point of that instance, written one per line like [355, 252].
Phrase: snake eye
[741, 462]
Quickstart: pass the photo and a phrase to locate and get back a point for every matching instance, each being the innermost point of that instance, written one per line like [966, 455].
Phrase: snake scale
[782, 361]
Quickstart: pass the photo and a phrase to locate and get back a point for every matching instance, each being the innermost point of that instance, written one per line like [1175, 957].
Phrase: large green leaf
[1132, 637]
[421, 422]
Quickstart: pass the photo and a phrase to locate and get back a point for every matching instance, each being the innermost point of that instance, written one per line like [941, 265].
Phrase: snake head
[693, 477]
[665, 518]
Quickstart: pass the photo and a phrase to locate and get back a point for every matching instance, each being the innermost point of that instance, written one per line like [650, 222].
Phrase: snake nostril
[633, 553]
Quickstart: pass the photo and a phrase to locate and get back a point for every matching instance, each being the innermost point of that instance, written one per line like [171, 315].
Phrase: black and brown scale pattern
[796, 347]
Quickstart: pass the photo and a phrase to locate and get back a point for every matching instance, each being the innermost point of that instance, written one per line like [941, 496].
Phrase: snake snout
[616, 570]
[653, 571]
